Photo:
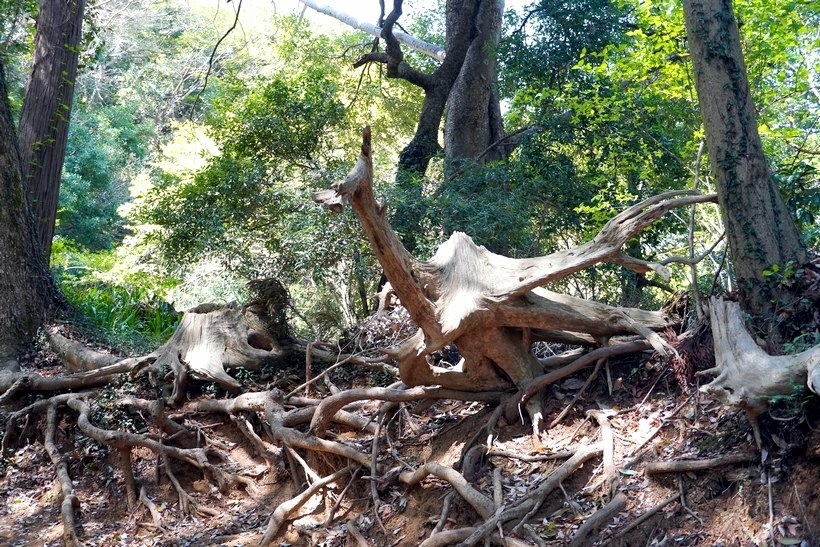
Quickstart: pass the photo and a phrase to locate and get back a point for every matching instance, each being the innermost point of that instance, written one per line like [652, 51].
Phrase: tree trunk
[473, 121]
[47, 109]
[25, 288]
[761, 231]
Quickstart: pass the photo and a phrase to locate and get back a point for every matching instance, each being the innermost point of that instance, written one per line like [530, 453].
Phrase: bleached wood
[747, 376]
[492, 307]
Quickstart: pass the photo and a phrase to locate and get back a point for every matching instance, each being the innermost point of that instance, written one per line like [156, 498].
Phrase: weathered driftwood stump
[493, 307]
[747, 376]
[209, 339]
[212, 337]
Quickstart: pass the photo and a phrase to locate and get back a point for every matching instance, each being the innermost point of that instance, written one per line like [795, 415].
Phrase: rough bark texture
[24, 281]
[473, 121]
[490, 306]
[211, 338]
[47, 109]
[761, 232]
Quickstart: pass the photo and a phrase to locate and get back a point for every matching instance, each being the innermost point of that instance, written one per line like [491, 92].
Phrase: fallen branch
[684, 466]
[598, 519]
[285, 509]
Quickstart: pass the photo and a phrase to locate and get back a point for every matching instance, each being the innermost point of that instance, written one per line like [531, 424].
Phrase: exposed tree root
[643, 518]
[70, 502]
[599, 518]
[478, 501]
[331, 405]
[492, 307]
[152, 508]
[77, 356]
[683, 466]
[284, 510]
[608, 444]
[746, 375]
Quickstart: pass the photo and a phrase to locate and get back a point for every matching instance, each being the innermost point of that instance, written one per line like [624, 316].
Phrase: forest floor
[772, 500]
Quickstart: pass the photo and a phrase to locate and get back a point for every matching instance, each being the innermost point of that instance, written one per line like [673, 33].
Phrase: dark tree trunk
[761, 231]
[464, 84]
[47, 109]
[25, 287]
[473, 121]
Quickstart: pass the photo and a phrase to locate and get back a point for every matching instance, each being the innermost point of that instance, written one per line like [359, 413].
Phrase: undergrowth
[128, 312]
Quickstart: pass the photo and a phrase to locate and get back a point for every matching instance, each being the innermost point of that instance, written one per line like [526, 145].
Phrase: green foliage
[548, 39]
[130, 313]
[796, 312]
[102, 146]
[128, 317]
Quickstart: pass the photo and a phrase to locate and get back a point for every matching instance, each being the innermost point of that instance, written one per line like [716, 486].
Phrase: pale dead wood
[608, 443]
[10, 435]
[152, 508]
[256, 401]
[747, 376]
[450, 537]
[70, 500]
[684, 466]
[30, 381]
[295, 438]
[445, 513]
[545, 380]
[211, 338]
[478, 501]
[197, 457]
[578, 395]
[635, 451]
[494, 451]
[331, 405]
[285, 509]
[491, 306]
[537, 495]
[584, 535]
[356, 534]
[414, 43]
[77, 356]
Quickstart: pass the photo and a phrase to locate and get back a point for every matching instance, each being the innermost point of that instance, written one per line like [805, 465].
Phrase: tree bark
[761, 231]
[25, 288]
[47, 108]
[464, 84]
[473, 120]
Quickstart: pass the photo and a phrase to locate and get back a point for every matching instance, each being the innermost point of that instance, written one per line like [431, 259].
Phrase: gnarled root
[747, 376]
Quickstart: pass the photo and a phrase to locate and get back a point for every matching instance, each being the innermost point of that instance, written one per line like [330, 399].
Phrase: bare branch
[431, 50]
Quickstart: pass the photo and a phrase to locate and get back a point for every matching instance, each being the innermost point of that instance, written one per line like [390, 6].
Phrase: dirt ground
[774, 500]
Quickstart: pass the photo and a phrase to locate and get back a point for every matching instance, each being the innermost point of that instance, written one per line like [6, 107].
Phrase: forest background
[200, 134]
[176, 191]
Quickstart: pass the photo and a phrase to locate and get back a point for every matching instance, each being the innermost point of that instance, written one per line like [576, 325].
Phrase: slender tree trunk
[761, 231]
[47, 109]
[25, 287]
[473, 122]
